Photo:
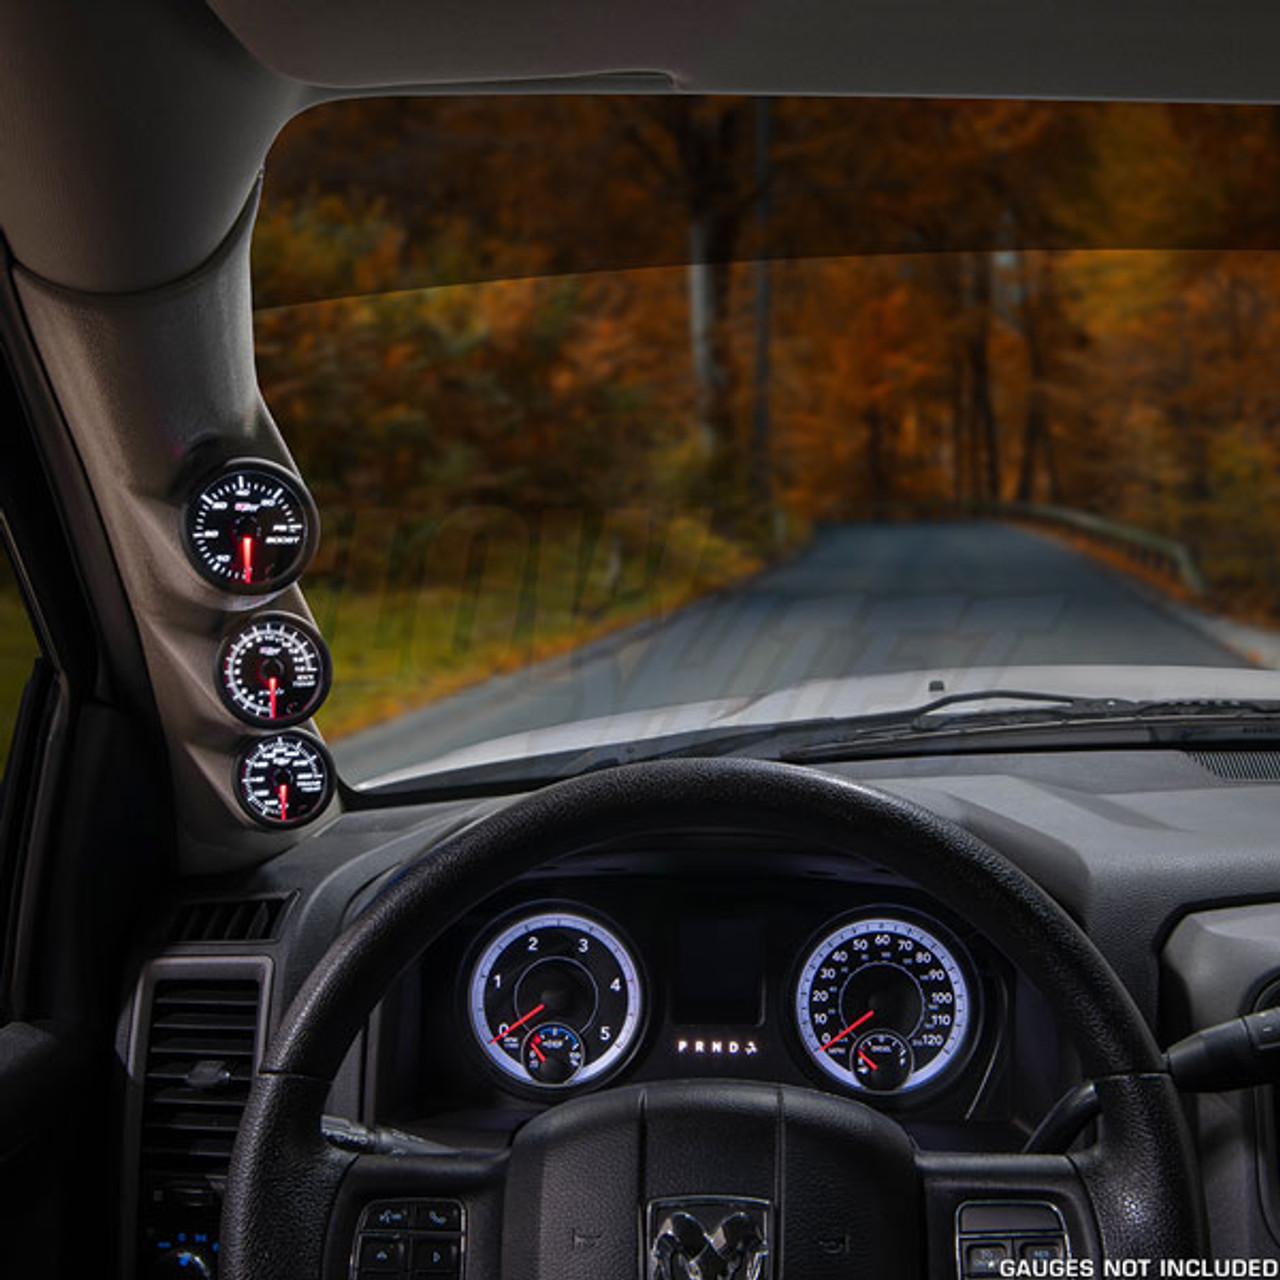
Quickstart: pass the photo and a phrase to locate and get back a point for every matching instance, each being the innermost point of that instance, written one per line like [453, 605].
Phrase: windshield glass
[634, 409]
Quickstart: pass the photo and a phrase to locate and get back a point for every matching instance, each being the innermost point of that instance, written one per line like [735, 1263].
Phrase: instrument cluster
[880, 997]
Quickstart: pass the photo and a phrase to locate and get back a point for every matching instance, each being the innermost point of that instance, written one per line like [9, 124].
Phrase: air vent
[199, 1066]
[242, 920]
[1240, 766]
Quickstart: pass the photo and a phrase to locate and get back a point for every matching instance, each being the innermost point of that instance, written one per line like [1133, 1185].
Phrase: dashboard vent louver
[241, 920]
[1240, 766]
[199, 1066]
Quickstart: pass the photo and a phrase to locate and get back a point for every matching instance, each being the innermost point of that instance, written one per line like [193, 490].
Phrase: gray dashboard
[1167, 859]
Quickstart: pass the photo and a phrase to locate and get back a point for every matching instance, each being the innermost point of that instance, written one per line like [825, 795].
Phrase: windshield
[632, 410]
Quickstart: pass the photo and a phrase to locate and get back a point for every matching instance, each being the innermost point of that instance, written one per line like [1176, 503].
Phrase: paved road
[859, 599]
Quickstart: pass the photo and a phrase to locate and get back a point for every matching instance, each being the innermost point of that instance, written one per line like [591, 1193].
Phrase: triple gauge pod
[251, 528]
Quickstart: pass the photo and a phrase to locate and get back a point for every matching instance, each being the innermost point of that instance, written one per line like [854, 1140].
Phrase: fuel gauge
[284, 780]
[273, 670]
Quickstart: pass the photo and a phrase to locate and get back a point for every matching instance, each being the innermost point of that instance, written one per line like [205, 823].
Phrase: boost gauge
[555, 1000]
[284, 780]
[251, 527]
[273, 669]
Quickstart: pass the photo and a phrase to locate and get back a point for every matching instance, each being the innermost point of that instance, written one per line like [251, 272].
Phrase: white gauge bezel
[951, 1053]
[623, 1042]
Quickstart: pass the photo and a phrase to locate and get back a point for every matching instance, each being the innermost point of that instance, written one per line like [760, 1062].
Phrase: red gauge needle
[246, 556]
[533, 1044]
[283, 793]
[868, 1061]
[853, 1026]
[272, 685]
[533, 1013]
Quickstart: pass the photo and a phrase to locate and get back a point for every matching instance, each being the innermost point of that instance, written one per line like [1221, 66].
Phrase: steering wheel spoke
[985, 1210]
[426, 1216]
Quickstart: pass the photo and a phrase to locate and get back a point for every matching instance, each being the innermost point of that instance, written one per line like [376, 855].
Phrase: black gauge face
[284, 780]
[251, 528]
[555, 1000]
[884, 1006]
[273, 670]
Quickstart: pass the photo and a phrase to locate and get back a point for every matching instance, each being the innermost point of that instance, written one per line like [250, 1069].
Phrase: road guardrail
[1151, 550]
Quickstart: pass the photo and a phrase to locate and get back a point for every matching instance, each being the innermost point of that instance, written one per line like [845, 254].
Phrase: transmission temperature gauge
[273, 670]
[284, 780]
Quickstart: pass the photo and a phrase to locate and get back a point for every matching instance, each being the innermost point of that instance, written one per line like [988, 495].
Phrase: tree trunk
[985, 430]
[761, 423]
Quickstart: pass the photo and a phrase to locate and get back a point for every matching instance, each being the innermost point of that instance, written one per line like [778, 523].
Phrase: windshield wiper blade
[1052, 711]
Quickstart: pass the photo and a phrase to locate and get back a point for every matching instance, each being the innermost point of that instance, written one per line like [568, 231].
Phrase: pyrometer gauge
[885, 1004]
[284, 780]
[555, 1000]
[251, 527]
[273, 670]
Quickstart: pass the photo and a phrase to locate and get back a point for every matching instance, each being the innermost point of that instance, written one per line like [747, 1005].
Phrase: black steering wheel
[806, 1185]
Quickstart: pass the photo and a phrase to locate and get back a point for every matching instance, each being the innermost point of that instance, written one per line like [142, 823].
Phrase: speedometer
[883, 1005]
[555, 1000]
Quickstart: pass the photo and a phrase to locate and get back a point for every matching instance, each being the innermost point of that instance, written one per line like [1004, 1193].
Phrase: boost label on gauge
[251, 528]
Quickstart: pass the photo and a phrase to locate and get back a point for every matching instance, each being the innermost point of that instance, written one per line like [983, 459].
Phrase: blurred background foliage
[554, 365]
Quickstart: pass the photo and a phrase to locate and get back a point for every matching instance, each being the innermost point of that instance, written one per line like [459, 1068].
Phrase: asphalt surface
[859, 599]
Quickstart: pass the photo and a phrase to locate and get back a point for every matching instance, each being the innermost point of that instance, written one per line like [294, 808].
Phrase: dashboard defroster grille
[1240, 766]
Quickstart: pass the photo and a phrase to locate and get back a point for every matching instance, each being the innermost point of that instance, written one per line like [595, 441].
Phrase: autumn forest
[553, 365]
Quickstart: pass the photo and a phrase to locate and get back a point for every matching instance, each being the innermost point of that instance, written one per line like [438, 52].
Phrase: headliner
[131, 131]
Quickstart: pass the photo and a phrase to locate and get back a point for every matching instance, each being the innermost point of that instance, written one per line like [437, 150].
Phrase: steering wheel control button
[273, 671]
[380, 1254]
[391, 1216]
[1042, 1251]
[412, 1238]
[439, 1215]
[1028, 1231]
[1007, 1217]
[985, 1257]
[284, 780]
[434, 1257]
[251, 527]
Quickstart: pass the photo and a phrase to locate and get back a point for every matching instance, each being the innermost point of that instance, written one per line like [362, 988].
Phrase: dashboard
[697, 962]
[720, 944]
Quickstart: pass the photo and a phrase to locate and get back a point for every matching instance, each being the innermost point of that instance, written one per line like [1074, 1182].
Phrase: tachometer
[555, 1000]
[284, 780]
[251, 527]
[883, 1005]
[273, 669]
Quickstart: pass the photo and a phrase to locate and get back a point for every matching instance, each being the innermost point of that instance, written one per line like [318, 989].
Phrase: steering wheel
[611, 1185]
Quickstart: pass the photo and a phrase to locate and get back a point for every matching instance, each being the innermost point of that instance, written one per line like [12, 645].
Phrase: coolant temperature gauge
[273, 670]
[284, 780]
